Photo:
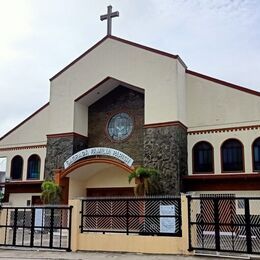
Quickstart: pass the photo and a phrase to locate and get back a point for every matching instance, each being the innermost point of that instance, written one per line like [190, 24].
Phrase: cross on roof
[109, 17]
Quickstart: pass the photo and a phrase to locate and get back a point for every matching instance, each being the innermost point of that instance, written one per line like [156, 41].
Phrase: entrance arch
[98, 177]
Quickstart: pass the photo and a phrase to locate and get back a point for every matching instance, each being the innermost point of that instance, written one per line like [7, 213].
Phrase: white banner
[99, 151]
[167, 224]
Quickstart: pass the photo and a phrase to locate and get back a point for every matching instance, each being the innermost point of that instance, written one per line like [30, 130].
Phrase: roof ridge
[138, 45]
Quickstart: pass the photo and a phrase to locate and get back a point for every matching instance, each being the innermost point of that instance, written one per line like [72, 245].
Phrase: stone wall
[120, 99]
[60, 148]
[165, 149]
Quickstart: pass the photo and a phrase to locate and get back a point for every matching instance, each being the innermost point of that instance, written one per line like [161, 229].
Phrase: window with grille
[203, 158]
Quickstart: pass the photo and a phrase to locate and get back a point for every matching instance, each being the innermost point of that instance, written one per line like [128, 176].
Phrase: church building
[121, 105]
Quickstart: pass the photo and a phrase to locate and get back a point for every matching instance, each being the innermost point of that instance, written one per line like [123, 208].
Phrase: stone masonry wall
[59, 149]
[119, 100]
[165, 149]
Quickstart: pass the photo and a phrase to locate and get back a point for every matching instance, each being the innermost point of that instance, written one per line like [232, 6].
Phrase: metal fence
[42, 227]
[143, 216]
[230, 224]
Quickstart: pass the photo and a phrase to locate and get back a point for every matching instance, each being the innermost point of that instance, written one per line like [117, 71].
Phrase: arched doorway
[98, 177]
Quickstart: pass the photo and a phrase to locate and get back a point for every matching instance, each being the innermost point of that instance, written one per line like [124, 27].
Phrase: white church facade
[131, 105]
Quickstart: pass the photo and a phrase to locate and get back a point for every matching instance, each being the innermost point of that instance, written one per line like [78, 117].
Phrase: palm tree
[147, 181]
[51, 192]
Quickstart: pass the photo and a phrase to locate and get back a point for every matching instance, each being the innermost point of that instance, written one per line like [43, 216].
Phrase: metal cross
[109, 17]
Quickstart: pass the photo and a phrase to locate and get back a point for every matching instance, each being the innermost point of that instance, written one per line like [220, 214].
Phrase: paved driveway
[60, 255]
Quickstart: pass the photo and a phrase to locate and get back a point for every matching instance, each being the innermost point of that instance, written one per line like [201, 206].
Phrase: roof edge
[167, 54]
[225, 83]
[24, 121]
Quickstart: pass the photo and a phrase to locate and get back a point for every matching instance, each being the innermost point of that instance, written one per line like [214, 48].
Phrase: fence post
[189, 220]
[3, 223]
[216, 220]
[75, 223]
[184, 223]
[248, 226]
[32, 226]
[15, 226]
[51, 227]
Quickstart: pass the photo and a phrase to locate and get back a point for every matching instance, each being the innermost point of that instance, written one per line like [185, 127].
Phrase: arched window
[33, 170]
[17, 168]
[256, 154]
[203, 158]
[232, 156]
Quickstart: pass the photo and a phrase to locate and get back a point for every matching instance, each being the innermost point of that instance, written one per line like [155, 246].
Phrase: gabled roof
[222, 82]
[123, 41]
[25, 120]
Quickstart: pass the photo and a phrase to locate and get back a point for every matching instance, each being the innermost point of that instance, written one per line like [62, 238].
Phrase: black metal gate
[230, 224]
[41, 227]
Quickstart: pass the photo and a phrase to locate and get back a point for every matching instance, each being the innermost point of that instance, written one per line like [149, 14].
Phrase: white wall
[30, 133]
[247, 137]
[154, 73]
[212, 105]
[25, 153]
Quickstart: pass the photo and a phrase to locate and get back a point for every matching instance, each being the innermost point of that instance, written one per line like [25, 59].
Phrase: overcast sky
[220, 38]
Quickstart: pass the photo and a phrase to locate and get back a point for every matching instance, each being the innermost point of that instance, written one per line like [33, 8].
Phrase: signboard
[167, 224]
[95, 151]
[39, 220]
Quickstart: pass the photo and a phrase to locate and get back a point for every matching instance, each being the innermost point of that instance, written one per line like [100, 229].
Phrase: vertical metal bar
[189, 220]
[69, 238]
[51, 227]
[127, 217]
[32, 227]
[61, 223]
[42, 224]
[180, 216]
[24, 211]
[216, 220]
[248, 226]
[15, 226]
[82, 213]
[6, 224]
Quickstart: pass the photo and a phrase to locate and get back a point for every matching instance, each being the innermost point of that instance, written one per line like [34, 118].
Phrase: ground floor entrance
[97, 177]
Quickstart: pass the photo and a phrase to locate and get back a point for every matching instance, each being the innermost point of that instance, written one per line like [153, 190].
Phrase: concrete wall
[32, 132]
[152, 72]
[129, 243]
[25, 154]
[212, 105]
[216, 139]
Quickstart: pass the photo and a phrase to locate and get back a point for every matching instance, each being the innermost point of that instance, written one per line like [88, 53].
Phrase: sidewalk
[61, 255]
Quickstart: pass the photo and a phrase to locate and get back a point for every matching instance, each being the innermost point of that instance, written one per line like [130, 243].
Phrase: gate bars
[143, 215]
[41, 227]
[230, 224]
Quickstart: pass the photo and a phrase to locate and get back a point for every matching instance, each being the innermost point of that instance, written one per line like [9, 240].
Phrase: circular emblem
[120, 126]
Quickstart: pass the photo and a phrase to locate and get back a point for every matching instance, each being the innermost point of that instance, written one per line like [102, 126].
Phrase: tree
[147, 181]
[51, 192]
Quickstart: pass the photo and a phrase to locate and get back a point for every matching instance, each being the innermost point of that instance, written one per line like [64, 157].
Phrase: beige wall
[247, 137]
[32, 132]
[211, 105]
[129, 243]
[109, 177]
[20, 199]
[25, 153]
[154, 73]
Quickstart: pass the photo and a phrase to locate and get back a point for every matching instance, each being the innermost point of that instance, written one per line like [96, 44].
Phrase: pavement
[61, 255]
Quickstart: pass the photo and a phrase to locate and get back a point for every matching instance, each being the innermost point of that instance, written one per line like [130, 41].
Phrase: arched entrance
[97, 177]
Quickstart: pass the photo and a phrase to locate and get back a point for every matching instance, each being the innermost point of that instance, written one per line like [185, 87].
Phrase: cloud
[38, 38]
